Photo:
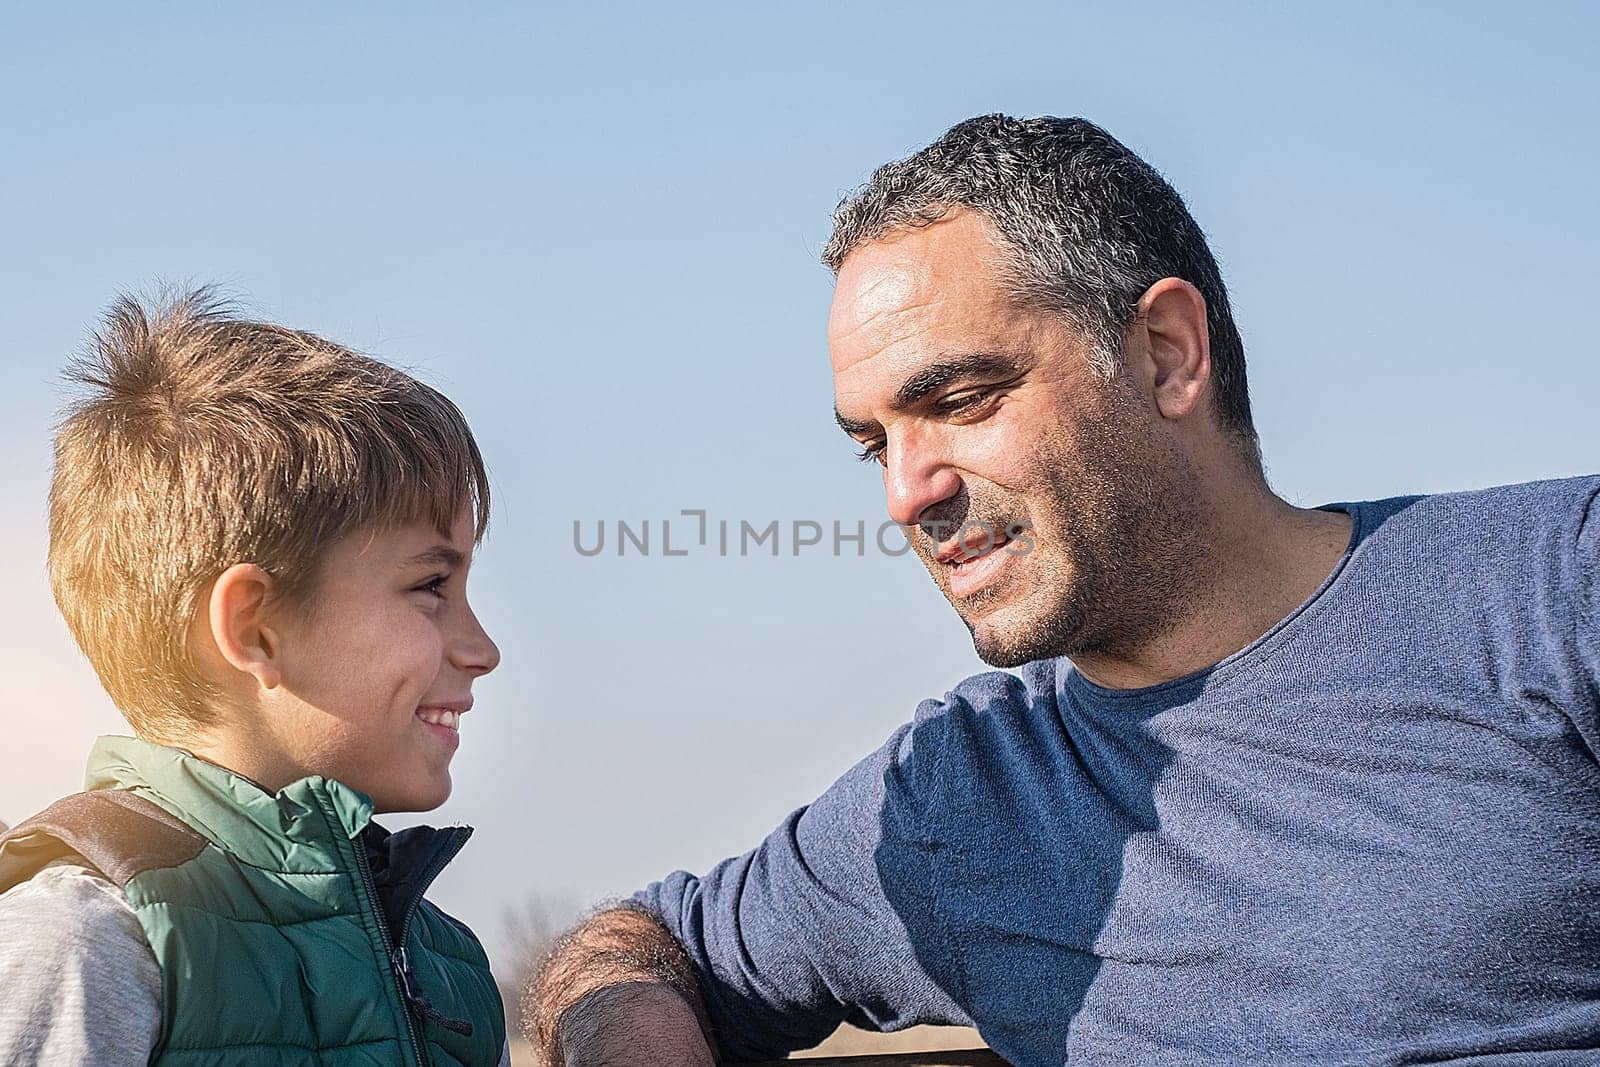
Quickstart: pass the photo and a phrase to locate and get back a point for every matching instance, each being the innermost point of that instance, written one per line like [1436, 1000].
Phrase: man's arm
[769, 951]
[619, 990]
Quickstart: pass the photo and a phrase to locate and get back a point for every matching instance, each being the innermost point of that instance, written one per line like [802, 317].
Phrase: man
[1272, 785]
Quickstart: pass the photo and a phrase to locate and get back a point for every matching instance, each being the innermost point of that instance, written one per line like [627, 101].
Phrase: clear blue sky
[598, 231]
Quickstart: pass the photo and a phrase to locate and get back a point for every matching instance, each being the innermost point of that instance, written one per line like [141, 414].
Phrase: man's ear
[237, 616]
[1178, 345]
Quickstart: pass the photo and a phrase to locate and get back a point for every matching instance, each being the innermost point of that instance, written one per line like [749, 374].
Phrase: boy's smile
[367, 679]
[382, 663]
[445, 720]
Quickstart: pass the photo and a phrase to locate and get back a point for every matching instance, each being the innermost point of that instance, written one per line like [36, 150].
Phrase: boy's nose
[475, 651]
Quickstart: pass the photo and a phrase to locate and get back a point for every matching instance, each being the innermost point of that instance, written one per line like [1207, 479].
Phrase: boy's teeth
[442, 718]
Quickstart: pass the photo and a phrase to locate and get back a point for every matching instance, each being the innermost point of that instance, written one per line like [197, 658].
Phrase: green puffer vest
[292, 929]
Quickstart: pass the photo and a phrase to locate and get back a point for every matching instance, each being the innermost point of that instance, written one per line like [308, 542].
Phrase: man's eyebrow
[932, 378]
[438, 555]
[936, 376]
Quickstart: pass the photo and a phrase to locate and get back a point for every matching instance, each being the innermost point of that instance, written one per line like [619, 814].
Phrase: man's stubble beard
[1115, 559]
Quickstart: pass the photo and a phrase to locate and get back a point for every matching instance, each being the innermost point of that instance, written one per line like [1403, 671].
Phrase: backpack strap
[112, 830]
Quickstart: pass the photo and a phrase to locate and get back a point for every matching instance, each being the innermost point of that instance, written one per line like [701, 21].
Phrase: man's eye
[434, 585]
[871, 453]
[959, 402]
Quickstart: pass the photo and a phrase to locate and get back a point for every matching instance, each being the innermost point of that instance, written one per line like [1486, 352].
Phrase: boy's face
[377, 670]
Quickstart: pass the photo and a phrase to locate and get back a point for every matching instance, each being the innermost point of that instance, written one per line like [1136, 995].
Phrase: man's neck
[1266, 559]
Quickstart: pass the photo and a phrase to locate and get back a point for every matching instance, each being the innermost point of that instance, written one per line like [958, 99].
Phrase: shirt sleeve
[1587, 617]
[812, 927]
[81, 983]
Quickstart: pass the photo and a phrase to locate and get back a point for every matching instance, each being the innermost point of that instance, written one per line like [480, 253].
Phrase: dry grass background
[848, 1041]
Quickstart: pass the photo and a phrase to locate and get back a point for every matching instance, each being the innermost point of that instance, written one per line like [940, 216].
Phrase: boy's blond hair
[207, 440]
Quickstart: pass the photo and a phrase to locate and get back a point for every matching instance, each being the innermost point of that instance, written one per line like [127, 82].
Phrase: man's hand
[619, 992]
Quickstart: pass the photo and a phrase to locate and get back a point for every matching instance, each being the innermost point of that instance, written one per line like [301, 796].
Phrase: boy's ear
[239, 626]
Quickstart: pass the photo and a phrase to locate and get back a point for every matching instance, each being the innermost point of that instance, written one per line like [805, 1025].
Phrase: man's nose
[916, 476]
[473, 650]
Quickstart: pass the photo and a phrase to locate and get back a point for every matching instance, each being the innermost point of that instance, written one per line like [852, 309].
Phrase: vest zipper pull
[418, 1001]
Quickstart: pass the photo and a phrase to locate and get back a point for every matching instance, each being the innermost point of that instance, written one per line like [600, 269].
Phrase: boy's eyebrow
[933, 378]
[442, 555]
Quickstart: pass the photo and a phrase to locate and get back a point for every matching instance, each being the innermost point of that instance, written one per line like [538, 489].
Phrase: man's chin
[1006, 639]
[1037, 614]
[1002, 656]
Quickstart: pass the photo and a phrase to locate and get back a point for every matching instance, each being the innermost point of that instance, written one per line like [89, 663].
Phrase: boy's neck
[245, 757]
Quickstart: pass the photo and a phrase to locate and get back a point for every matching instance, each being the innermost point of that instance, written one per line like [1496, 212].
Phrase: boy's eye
[434, 585]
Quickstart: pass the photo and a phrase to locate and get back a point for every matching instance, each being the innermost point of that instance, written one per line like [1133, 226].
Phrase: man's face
[378, 668]
[1048, 503]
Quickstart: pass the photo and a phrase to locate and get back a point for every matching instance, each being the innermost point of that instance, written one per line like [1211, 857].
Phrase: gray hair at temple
[1088, 225]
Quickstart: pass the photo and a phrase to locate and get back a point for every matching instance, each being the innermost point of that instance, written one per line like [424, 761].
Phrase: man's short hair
[206, 440]
[1088, 227]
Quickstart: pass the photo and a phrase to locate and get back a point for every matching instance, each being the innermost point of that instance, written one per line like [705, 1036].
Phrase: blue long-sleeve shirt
[1372, 837]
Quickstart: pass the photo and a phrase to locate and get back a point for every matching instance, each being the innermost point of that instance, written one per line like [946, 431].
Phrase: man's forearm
[617, 991]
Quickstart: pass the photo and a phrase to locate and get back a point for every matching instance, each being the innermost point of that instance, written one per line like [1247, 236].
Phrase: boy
[260, 540]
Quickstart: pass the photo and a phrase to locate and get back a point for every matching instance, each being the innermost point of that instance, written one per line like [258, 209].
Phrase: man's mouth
[973, 561]
[972, 547]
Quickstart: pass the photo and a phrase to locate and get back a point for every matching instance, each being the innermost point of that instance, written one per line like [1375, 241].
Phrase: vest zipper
[396, 959]
[416, 999]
